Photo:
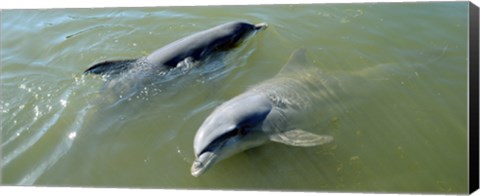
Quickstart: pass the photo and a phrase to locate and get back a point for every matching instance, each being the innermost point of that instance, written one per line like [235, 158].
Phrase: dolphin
[193, 48]
[268, 111]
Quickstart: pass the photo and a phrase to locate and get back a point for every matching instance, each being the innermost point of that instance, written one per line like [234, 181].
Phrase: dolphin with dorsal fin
[195, 47]
[266, 112]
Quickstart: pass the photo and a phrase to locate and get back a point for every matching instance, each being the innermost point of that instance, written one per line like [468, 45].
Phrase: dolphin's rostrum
[195, 47]
[264, 113]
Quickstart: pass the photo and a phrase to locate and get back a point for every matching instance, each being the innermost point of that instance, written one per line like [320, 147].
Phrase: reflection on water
[395, 98]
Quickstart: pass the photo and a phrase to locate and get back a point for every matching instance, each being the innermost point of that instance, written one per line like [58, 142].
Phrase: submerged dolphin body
[195, 47]
[267, 112]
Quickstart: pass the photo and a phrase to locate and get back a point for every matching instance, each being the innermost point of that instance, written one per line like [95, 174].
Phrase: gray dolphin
[267, 112]
[195, 47]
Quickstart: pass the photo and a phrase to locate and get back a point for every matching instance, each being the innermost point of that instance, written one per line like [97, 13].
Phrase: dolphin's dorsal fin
[112, 67]
[297, 58]
[297, 137]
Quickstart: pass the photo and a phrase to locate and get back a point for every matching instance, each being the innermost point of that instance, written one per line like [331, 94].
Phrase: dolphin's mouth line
[203, 162]
[208, 157]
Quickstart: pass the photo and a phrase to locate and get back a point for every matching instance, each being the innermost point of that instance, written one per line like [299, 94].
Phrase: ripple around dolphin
[33, 139]
[60, 149]
[23, 137]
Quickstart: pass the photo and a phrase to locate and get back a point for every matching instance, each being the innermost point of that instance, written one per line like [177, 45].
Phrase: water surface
[397, 73]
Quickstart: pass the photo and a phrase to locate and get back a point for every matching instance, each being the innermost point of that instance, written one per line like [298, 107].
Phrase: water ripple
[61, 149]
[38, 133]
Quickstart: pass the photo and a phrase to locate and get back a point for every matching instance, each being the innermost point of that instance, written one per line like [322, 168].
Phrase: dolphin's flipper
[297, 137]
[110, 67]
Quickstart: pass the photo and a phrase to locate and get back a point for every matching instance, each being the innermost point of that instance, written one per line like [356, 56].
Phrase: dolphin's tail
[110, 67]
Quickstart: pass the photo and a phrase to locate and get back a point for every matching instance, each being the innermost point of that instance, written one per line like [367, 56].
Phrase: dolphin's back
[194, 47]
[201, 44]
[296, 86]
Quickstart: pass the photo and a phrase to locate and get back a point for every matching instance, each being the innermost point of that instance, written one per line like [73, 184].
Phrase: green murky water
[401, 126]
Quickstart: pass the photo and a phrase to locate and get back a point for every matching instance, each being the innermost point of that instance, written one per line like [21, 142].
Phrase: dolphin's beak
[202, 163]
[261, 26]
